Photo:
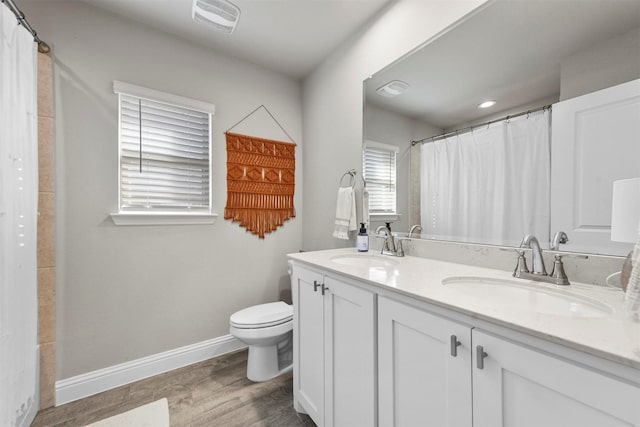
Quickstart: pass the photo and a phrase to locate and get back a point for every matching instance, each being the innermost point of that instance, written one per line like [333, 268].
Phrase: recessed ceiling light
[220, 14]
[487, 104]
[393, 88]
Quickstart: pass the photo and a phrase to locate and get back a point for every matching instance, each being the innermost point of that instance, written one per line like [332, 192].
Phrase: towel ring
[352, 178]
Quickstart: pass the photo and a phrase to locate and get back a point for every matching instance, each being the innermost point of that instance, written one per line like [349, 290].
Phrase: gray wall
[605, 64]
[333, 102]
[129, 292]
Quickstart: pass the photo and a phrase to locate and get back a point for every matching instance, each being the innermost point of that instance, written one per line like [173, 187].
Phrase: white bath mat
[154, 414]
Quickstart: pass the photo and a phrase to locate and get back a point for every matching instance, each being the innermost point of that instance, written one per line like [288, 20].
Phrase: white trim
[122, 88]
[162, 218]
[156, 95]
[383, 217]
[91, 383]
[381, 146]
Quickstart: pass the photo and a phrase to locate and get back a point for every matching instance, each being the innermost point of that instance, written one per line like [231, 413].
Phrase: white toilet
[268, 330]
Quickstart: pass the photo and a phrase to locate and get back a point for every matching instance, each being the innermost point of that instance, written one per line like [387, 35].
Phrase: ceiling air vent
[220, 14]
[393, 88]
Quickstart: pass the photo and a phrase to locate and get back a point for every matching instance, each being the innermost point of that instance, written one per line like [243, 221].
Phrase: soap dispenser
[363, 239]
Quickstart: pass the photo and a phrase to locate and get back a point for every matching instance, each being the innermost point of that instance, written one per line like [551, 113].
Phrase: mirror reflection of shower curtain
[18, 207]
[490, 185]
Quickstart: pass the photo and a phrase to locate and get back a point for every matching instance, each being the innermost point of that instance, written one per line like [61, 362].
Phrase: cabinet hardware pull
[316, 285]
[324, 288]
[454, 345]
[480, 355]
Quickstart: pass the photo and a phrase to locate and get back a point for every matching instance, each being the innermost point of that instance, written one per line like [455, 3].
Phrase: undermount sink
[365, 260]
[531, 297]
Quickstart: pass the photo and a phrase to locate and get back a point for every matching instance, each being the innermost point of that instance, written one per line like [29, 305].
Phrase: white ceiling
[288, 36]
[510, 51]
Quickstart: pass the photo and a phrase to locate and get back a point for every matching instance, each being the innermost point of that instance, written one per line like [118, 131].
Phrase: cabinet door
[350, 392]
[522, 387]
[594, 142]
[421, 380]
[308, 344]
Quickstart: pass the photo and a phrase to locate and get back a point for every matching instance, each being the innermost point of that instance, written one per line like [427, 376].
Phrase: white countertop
[611, 336]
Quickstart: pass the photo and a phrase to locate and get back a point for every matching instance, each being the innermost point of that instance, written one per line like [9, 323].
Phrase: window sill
[143, 218]
[383, 217]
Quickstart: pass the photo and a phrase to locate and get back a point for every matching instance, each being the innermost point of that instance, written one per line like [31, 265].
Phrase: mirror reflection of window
[379, 172]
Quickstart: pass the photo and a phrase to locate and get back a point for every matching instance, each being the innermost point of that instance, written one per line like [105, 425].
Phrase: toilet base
[266, 362]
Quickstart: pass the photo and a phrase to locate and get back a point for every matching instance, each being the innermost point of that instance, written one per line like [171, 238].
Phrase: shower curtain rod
[470, 128]
[22, 20]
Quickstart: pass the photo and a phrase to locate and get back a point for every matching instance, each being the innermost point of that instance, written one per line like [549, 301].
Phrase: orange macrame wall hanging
[260, 182]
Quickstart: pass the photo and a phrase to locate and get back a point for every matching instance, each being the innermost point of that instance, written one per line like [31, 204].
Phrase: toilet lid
[263, 315]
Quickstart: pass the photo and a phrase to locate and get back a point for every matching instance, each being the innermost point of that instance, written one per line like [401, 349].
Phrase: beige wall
[46, 236]
[333, 102]
[128, 292]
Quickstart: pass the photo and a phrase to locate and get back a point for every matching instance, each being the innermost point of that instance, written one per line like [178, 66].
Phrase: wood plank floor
[215, 392]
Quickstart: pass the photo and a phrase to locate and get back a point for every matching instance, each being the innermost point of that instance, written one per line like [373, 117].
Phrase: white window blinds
[164, 156]
[379, 171]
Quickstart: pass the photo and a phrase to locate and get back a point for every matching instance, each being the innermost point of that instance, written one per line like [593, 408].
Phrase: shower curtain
[18, 207]
[490, 185]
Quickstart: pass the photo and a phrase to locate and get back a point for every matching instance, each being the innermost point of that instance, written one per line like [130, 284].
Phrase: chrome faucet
[560, 238]
[415, 227]
[537, 261]
[389, 242]
[539, 273]
[390, 246]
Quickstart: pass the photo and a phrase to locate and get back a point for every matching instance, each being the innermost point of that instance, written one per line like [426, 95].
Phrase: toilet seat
[262, 316]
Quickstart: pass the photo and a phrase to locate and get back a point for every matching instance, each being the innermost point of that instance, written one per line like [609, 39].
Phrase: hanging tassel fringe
[259, 221]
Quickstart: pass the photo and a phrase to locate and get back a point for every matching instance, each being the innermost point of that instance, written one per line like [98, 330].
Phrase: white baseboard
[94, 382]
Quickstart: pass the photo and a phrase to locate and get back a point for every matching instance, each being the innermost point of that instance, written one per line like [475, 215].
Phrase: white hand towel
[365, 207]
[345, 213]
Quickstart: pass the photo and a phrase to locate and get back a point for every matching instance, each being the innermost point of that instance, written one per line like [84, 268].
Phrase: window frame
[391, 149]
[153, 216]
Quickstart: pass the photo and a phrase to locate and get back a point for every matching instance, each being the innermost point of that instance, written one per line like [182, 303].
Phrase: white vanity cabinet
[308, 348]
[406, 352]
[487, 380]
[334, 349]
[424, 371]
[520, 386]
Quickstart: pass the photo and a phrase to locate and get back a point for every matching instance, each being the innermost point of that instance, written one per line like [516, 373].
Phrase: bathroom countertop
[612, 336]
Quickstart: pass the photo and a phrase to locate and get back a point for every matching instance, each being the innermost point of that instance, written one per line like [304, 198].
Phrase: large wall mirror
[565, 78]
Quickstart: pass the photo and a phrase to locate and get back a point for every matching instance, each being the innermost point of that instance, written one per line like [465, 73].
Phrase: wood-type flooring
[215, 392]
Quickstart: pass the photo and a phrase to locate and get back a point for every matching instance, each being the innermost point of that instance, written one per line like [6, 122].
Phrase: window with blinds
[165, 163]
[379, 172]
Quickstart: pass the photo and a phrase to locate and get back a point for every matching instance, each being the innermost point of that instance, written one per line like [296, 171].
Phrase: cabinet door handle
[316, 285]
[454, 345]
[480, 355]
[324, 288]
